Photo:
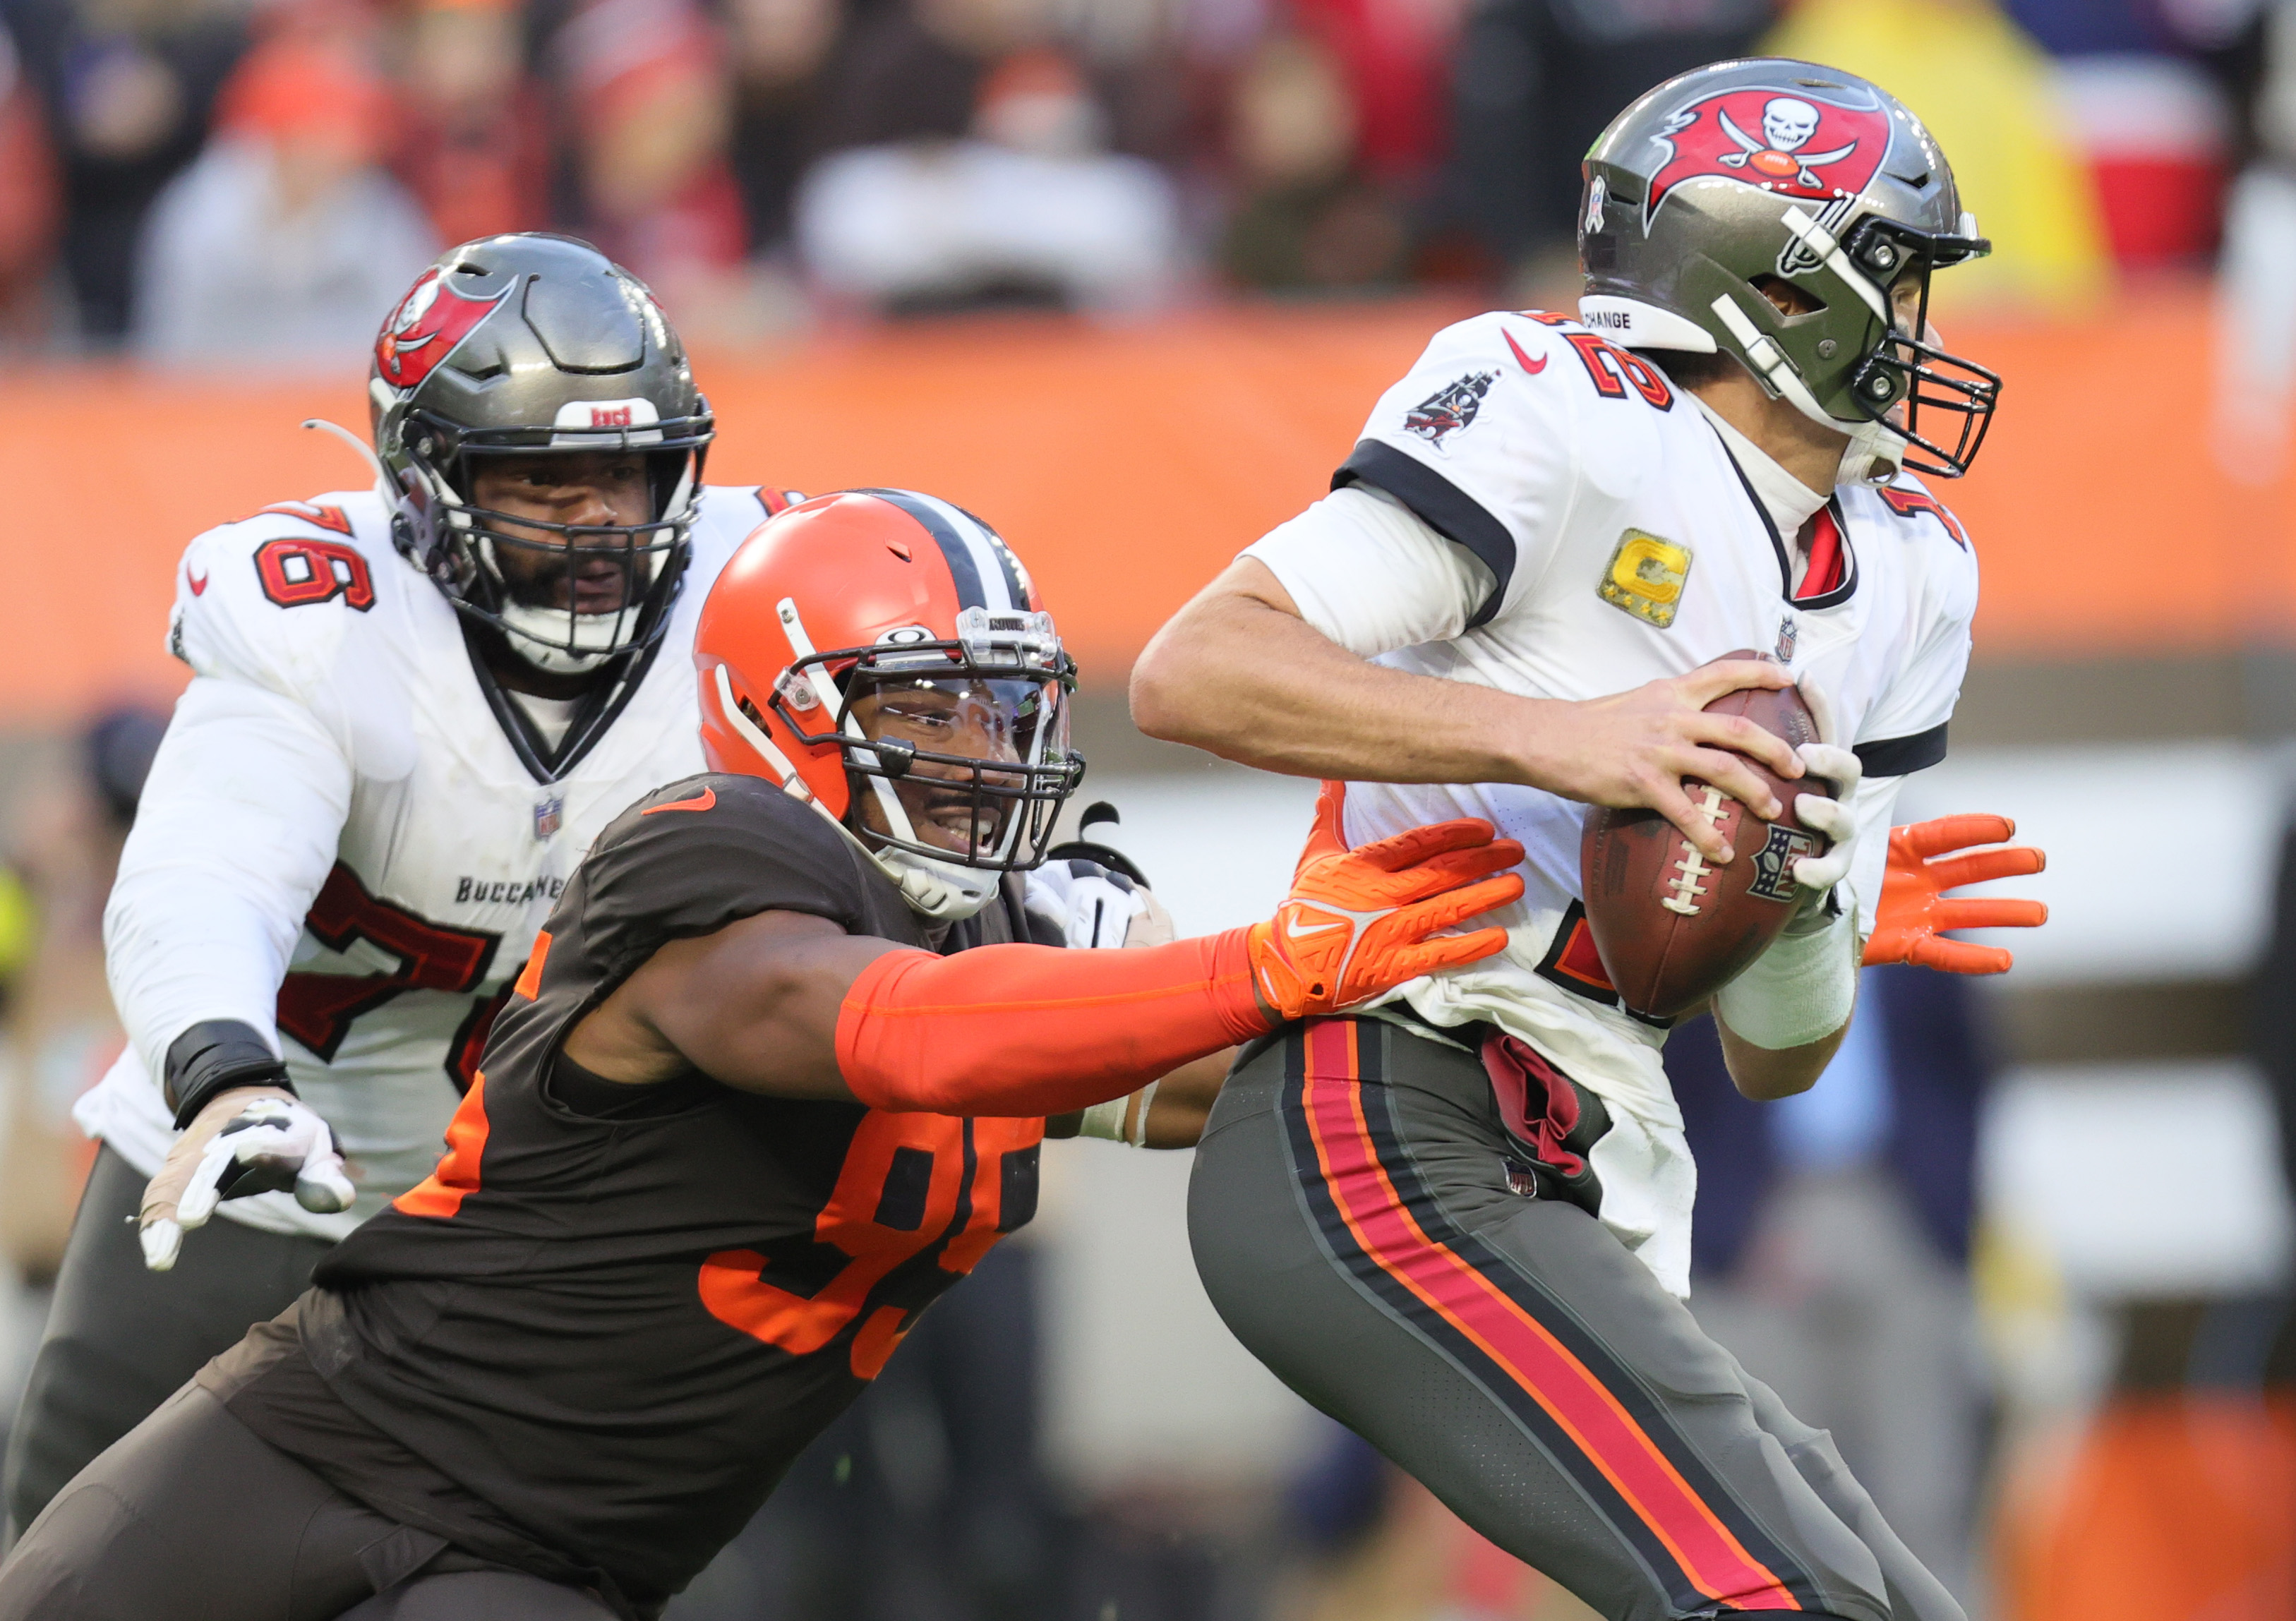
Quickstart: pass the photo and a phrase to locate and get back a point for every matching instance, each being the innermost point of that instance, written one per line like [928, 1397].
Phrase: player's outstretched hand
[1359, 923]
[248, 1140]
[1915, 910]
[1631, 750]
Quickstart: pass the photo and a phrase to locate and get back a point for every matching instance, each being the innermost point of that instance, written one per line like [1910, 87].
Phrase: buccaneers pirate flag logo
[1795, 145]
[425, 328]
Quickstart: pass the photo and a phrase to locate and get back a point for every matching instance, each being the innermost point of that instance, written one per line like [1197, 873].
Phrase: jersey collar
[1724, 435]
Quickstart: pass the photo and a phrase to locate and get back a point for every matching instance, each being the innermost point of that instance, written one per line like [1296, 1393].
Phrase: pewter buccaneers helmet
[1737, 172]
[525, 343]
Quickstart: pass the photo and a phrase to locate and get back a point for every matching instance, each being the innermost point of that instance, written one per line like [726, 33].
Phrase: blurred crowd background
[195, 180]
[2026, 1250]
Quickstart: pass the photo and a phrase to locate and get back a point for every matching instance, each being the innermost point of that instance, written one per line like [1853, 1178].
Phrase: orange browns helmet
[878, 594]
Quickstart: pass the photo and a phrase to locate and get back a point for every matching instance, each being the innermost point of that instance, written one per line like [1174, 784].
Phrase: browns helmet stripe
[980, 567]
[1016, 578]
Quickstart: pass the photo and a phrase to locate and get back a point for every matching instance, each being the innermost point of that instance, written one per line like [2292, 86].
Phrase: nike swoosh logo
[701, 801]
[1532, 367]
[1295, 930]
[199, 582]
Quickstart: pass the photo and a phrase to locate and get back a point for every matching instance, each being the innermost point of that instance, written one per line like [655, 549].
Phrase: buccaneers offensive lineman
[1513, 604]
[412, 707]
[749, 1109]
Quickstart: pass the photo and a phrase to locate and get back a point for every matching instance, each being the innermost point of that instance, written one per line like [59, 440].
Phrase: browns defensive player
[751, 1107]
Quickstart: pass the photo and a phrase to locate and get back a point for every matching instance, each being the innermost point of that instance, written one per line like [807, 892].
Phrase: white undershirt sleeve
[235, 833]
[1373, 577]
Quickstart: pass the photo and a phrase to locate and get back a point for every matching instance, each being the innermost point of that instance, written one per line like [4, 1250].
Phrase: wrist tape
[1123, 1119]
[1799, 991]
[213, 1057]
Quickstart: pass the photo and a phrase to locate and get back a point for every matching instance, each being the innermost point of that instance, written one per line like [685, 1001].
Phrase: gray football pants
[121, 1338]
[191, 1517]
[1353, 1220]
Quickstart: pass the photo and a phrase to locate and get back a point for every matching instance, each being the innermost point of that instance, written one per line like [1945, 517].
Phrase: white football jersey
[339, 844]
[1534, 510]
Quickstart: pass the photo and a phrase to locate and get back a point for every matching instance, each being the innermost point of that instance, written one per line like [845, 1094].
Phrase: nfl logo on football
[547, 815]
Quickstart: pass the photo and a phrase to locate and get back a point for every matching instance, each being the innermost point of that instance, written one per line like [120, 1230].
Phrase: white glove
[1830, 817]
[1096, 908]
[1829, 759]
[248, 1140]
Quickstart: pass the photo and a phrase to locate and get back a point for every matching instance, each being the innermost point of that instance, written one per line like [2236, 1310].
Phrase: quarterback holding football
[1564, 552]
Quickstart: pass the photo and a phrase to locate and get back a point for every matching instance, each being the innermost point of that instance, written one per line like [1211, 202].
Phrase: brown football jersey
[616, 1313]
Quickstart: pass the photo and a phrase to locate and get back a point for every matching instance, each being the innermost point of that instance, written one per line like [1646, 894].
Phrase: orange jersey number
[898, 1194]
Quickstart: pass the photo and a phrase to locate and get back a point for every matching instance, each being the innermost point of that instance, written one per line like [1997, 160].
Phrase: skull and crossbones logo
[1788, 123]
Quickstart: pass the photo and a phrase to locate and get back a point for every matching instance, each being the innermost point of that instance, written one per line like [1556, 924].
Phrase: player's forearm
[1765, 1074]
[788, 1005]
[1177, 1107]
[235, 833]
[1033, 1030]
[1782, 1019]
[1184, 1099]
[182, 948]
[1239, 677]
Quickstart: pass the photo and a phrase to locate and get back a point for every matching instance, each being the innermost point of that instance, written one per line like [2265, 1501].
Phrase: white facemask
[597, 636]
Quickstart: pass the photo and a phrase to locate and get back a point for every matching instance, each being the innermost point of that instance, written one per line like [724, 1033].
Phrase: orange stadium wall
[1128, 464]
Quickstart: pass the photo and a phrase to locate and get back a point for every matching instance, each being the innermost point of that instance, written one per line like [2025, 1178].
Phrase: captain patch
[1646, 577]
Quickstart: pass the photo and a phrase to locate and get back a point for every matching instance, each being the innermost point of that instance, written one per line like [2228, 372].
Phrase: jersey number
[296, 572]
[1906, 503]
[909, 1182]
[318, 1009]
[1612, 368]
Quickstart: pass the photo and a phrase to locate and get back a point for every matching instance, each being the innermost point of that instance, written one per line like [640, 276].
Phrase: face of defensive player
[970, 720]
[579, 489]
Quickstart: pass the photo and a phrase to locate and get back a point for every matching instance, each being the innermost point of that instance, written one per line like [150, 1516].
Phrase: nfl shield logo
[1788, 634]
[547, 816]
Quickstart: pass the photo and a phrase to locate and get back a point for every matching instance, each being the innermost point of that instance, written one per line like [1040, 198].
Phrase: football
[1670, 929]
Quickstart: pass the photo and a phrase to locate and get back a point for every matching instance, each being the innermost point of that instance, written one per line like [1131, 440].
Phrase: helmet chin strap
[534, 632]
[938, 892]
[1875, 453]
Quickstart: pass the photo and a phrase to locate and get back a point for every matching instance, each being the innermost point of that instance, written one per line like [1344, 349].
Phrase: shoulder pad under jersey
[271, 597]
[714, 848]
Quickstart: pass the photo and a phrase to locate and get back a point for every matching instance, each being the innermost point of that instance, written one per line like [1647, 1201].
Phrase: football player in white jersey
[412, 707]
[1461, 1223]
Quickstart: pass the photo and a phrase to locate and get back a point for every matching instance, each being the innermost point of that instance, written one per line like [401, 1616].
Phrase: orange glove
[1357, 921]
[1915, 907]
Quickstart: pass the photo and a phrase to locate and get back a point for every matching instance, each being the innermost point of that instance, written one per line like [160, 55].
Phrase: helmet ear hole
[1789, 298]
